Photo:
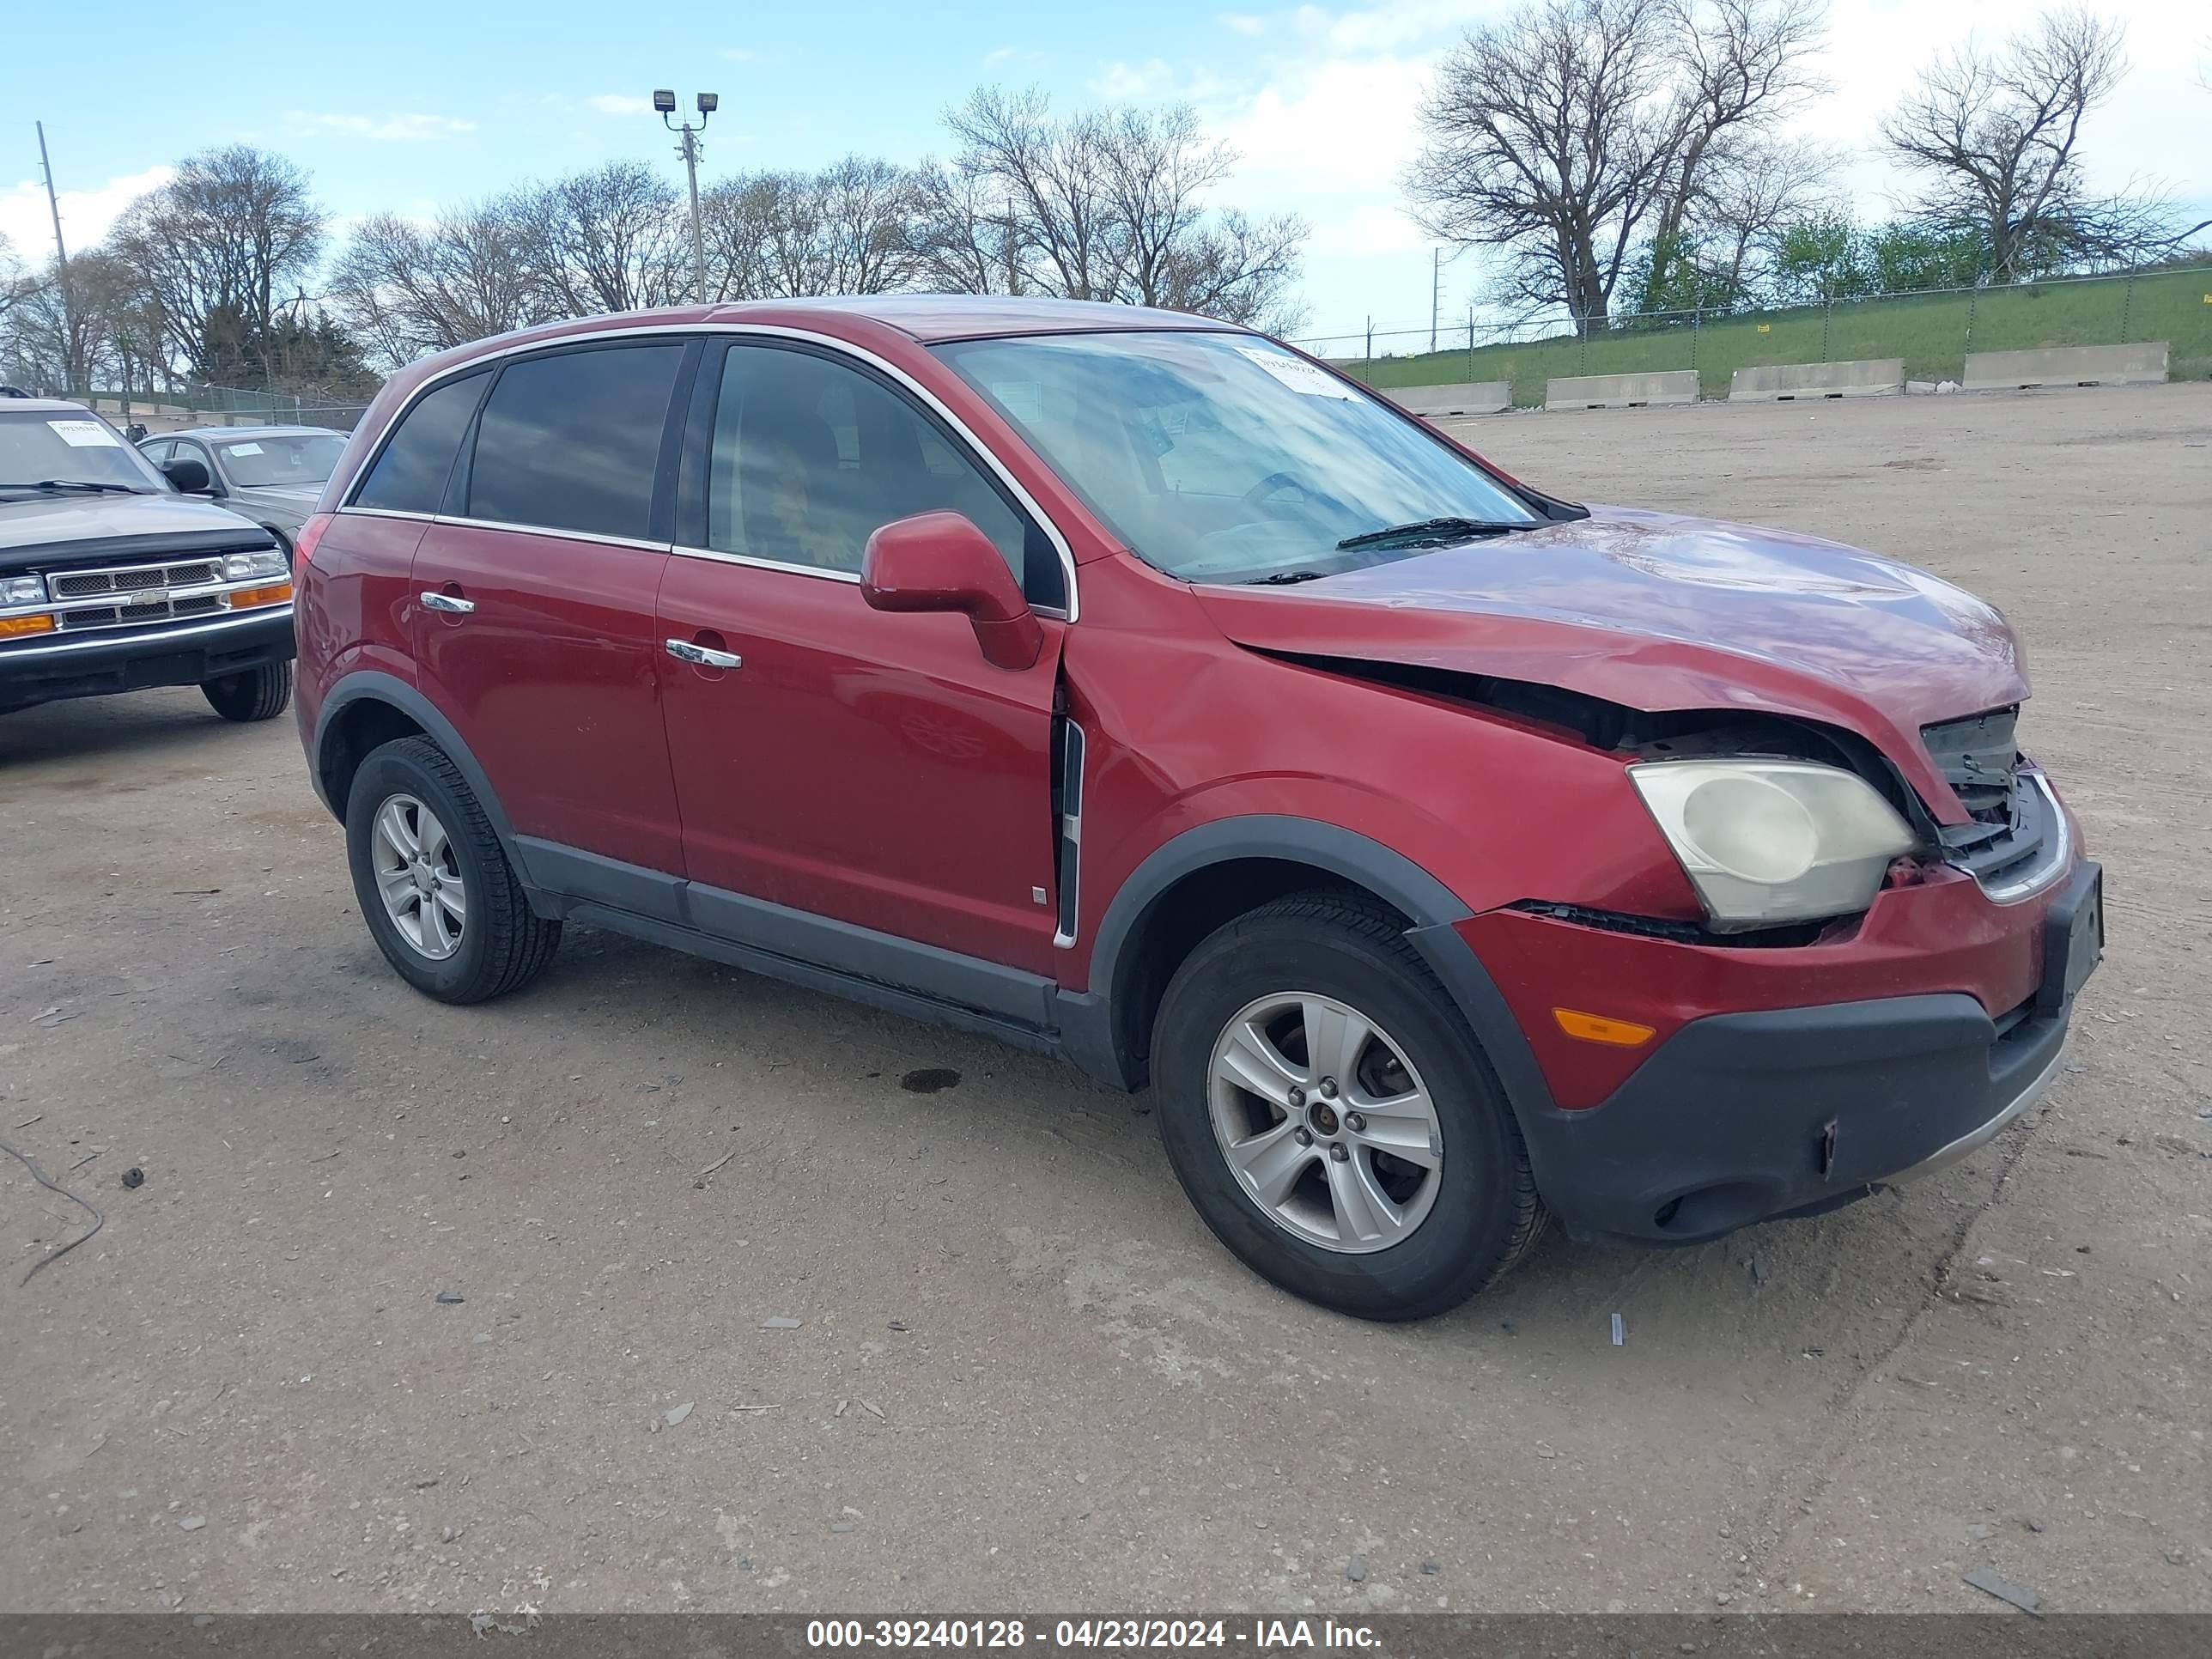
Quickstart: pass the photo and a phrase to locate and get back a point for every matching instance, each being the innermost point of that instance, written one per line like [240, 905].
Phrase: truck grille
[130, 579]
[119, 616]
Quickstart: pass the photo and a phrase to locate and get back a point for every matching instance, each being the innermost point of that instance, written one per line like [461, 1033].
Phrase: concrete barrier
[1672, 386]
[2141, 364]
[1473, 398]
[1870, 377]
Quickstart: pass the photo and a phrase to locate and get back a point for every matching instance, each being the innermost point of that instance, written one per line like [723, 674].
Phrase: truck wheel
[1332, 1119]
[252, 693]
[434, 882]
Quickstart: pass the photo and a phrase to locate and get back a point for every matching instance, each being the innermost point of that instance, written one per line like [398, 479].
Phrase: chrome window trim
[828, 343]
[390, 513]
[2043, 873]
[752, 561]
[551, 530]
[158, 635]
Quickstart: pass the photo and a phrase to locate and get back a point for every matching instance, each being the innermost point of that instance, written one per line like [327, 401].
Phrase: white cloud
[999, 54]
[403, 128]
[1156, 80]
[1124, 83]
[87, 215]
[621, 103]
[1243, 22]
[740, 54]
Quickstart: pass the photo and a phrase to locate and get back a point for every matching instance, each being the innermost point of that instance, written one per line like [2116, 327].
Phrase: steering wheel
[1259, 496]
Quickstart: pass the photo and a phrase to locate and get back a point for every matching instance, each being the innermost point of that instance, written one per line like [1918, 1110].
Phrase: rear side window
[409, 475]
[573, 441]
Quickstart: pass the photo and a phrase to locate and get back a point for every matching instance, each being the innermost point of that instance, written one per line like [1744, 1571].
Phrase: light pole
[665, 101]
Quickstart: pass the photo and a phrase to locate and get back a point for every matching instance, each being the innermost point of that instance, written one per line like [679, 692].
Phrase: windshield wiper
[1431, 532]
[1283, 578]
[73, 483]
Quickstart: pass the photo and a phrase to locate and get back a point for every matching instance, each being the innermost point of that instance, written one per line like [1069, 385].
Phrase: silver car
[270, 474]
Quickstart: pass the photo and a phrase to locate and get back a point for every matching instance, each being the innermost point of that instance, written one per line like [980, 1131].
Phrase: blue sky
[409, 107]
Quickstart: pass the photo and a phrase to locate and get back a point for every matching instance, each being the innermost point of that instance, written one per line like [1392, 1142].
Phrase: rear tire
[252, 693]
[1462, 1205]
[489, 942]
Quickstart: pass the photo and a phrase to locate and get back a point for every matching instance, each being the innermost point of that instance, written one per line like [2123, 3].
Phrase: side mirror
[941, 561]
[190, 477]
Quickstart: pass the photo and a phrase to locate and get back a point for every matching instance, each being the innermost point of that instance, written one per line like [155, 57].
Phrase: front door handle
[704, 656]
[448, 604]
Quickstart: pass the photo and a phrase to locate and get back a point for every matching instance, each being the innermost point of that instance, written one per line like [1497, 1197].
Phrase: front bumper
[186, 654]
[1740, 1117]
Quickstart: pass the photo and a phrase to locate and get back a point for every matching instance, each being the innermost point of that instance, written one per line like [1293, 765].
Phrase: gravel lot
[1022, 1376]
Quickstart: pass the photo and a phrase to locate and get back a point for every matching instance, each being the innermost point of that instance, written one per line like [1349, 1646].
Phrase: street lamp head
[664, 101]
[709, 102]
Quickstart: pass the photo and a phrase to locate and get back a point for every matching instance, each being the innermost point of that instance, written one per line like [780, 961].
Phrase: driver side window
[809, 457]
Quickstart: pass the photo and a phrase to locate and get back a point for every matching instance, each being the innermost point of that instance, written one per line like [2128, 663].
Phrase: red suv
[1137, 690]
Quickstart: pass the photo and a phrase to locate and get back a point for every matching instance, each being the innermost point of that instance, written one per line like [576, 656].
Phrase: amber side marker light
[246, 598]
[15, 628]
[1596, 1028]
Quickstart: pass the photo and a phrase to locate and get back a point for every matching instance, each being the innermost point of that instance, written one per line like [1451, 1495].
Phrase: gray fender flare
[370, 684]
[1086, 1019]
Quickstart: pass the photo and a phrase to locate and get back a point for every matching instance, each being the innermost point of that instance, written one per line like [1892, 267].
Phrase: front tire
[252, 693]
[1332, 1119]
[433, 881]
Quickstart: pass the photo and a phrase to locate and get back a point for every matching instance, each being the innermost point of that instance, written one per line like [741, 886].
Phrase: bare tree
[1154, 169]
[1551, 136]
[1998, 136]
[1574, 131]
[966, 236]
[16, 284]
[612, 238]
[218, 249]
[1111, 205]
[408, 289]
[1051, 176]
[866, 211]
[1741, 67]
[1239, 270]
[1751, 191]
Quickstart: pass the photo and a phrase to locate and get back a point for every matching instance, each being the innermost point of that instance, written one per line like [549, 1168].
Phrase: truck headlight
[23, 590]
[1769, 842]
[245, 567]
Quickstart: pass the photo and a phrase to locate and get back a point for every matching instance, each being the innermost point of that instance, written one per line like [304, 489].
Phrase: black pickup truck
[110, 580]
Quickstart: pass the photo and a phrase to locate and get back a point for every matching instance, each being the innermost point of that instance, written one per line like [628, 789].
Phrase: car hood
[1657, 611]
[52, 524]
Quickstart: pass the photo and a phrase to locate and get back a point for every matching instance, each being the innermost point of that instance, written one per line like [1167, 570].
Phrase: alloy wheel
[418, 877]
[1325, 1123]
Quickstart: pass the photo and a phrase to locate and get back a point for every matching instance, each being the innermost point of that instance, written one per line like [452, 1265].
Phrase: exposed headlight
[1773, 841]
[245, 567]
[23, 590]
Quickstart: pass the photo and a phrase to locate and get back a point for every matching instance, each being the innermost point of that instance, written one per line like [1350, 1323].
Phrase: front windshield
[39, 444]
[264, 462]
[1220, 458]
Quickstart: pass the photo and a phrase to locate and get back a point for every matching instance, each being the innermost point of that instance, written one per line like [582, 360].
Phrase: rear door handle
[448, 603]
[705, 656]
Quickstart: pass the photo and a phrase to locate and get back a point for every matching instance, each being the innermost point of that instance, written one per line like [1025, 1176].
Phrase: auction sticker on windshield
[1296, 374]
[86, 434]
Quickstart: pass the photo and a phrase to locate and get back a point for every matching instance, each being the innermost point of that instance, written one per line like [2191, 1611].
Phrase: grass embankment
[1929, 333]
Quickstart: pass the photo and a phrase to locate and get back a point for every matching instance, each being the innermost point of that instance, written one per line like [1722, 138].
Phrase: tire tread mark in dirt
[1814, 1472]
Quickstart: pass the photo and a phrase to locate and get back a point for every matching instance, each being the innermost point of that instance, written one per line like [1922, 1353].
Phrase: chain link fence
[216, 405]
[1933, 330]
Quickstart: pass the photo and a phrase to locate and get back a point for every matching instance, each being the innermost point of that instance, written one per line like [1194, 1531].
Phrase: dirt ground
[1022, 1376]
